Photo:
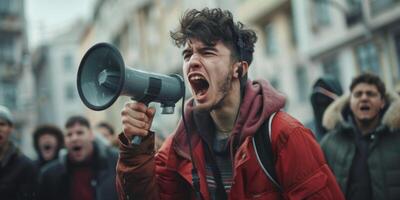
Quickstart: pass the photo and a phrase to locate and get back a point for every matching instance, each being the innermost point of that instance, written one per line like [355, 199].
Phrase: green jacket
[384, 150]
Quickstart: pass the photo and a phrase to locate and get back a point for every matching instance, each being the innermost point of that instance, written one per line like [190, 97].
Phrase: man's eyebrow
[208, 48]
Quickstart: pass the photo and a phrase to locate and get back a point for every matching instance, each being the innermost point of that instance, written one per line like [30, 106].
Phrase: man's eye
[186, 56]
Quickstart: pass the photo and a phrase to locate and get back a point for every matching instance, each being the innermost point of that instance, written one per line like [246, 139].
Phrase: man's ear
[240, 69]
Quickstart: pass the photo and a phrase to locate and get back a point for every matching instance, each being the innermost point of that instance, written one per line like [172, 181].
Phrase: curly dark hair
[371, 79]
[213, 25]
[48, 129]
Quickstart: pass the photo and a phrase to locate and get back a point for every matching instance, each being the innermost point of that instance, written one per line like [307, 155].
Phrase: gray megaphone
[103, 77]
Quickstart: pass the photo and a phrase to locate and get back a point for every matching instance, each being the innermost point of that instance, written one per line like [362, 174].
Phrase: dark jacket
[55, 177]
[300, 165]
[384, 153]
[18, 176]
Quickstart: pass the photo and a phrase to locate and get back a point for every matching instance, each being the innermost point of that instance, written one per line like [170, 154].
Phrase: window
[70, 92]
[8, 95]
[368, 58]
[330, 66]
[6, 47]
[68, 63]
[8, 7]
[271, 47]
[322, 15]
[355, 12]
[302, 83]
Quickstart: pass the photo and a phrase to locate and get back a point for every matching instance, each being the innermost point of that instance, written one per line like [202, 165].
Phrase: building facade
[16, 78]
[55, 65]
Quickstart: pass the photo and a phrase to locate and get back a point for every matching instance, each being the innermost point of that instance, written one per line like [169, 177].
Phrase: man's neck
[367, 127]
[225, 116]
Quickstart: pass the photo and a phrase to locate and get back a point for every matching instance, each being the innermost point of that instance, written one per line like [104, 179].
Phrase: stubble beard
[222, 93]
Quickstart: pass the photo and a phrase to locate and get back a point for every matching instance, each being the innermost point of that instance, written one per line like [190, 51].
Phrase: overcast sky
[47, 17]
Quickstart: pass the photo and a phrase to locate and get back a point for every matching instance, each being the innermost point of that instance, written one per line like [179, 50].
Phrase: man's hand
[136, 119]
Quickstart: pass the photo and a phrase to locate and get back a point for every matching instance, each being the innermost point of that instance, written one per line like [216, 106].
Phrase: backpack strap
[262, 144]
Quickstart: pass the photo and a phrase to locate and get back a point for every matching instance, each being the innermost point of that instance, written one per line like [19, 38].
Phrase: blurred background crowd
[305, 48]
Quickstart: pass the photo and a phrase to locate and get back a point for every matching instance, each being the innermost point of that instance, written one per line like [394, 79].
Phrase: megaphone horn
[103, 77]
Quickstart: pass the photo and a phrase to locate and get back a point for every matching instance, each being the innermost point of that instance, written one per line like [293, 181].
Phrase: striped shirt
[223, 161]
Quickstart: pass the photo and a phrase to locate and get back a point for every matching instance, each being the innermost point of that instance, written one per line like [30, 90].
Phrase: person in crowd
[325, 90]
[18, 174]
[107, 131]
[48, 141]
[86, 171]
[362, 145]
[211, 154]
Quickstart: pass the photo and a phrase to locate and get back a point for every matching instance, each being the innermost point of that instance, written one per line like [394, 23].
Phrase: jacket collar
[337, 113]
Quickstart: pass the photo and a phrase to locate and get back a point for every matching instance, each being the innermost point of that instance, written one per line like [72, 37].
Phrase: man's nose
[74, 137]
[364, 96]
[194, 61]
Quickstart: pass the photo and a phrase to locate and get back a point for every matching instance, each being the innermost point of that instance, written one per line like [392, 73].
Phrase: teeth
[196, 77]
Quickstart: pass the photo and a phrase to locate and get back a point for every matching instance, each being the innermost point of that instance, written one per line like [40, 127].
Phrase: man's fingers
[136, 119]
[131, 131]
[141, 107]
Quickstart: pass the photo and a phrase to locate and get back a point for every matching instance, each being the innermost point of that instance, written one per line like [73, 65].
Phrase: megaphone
[103, 77]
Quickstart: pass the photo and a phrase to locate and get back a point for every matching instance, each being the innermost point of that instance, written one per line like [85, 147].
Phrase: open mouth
[199, 84]
[365, 108]
[47, 147]
[76, 148]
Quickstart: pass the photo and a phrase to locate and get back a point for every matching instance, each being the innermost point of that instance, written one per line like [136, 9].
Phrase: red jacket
[300, 165]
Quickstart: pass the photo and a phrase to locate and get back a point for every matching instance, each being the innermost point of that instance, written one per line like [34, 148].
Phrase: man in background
[362, 147]
[107, 132]
[325, 90]
[86, 172]
[18, 173]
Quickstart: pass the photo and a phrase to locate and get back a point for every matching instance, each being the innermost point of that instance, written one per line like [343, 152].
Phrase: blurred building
[300, 40]
[276, 55]
[55, 65]
[347, 37]
[16, 88]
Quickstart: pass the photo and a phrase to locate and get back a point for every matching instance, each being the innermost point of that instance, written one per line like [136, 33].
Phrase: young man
[48, 141]
[18, 173]
[362, 147]
[87, 171]
[222, 117]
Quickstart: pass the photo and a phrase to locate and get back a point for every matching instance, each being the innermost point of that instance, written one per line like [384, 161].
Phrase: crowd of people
[350, 150]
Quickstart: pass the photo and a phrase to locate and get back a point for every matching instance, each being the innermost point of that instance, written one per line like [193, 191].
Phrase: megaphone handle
[138, 139]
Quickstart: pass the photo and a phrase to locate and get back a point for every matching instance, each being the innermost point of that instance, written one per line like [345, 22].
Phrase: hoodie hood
[259, 102]
[325, 91]
[334, 114]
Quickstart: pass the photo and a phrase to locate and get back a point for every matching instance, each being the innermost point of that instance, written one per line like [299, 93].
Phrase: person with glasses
[362, 145]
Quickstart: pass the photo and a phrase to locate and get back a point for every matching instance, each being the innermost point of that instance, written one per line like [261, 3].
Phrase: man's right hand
[136, 119]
